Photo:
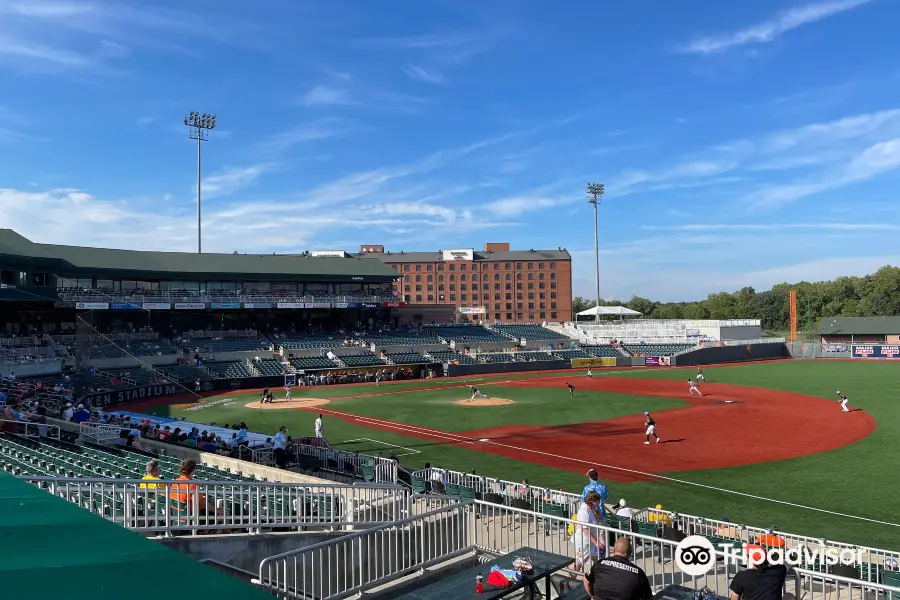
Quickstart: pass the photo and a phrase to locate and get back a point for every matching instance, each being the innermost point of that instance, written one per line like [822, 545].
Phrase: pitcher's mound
[283, 404]
[484, 402]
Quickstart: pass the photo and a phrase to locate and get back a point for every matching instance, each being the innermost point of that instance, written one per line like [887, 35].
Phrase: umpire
[617, 578]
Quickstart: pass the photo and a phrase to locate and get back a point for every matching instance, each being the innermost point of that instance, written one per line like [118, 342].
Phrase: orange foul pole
[793, 315]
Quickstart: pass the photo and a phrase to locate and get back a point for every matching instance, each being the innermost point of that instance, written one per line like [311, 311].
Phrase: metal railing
[755, 341]
[361, 561]
[30, 429]
[508, 490]
[813, 585]
[165, 506]
[351, 463]
[100, 432]
[873, 560]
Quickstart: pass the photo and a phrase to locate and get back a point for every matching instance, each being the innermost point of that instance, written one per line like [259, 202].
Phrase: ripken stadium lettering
[138, 393]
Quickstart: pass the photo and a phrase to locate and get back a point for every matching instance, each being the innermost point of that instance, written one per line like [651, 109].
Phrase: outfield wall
[513, 367]
[731, 354]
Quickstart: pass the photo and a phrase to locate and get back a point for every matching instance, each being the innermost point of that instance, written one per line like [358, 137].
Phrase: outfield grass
[858, 479]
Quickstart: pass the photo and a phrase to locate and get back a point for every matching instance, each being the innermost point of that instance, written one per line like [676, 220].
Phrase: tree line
[877, 294]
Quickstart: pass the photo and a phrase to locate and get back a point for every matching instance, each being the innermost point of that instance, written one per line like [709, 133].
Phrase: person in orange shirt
[186, 492]
[770, 540]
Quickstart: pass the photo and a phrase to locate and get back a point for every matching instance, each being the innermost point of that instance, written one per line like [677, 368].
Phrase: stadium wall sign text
[138, 393]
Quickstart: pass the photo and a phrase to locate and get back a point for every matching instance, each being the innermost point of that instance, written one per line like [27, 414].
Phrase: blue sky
[741, 143]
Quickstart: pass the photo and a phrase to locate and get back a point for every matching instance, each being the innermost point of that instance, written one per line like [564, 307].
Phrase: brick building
[526, 286]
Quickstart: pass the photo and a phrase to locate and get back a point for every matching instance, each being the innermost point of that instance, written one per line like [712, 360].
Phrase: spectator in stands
[622, 510]
[589, 544]
[69, 413]
[281, 447]
[152, 474]
[617, 578]
[82, 415]
[594, 485]
[186, 492]
[759, 582]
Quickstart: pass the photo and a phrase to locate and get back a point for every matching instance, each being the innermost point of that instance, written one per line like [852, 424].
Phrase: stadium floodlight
[595, 193]
[200, 126]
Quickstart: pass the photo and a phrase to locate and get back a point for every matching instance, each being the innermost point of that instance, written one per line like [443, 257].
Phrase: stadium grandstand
[87, 330]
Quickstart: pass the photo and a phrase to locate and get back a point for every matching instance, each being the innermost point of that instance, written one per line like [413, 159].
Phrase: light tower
[595, 193]
[200, 125]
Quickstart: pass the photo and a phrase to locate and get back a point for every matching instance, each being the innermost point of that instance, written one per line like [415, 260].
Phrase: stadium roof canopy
[609, 311]
[74, 260]
[859, 326]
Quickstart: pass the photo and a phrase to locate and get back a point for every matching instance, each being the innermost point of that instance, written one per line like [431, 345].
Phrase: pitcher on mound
[476, 393]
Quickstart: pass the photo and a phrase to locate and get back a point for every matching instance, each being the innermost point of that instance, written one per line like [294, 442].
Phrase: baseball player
[694, 388]
[571, 390]
[590, 373]
[320, 428]
[476, 393]
[651, 428]
[700, 375]
[843, 401]
[287, 392]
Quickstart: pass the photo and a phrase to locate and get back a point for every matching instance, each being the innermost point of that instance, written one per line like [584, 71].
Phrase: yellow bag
[571, 528]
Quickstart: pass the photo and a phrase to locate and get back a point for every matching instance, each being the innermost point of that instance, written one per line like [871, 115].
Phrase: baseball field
[766, 445]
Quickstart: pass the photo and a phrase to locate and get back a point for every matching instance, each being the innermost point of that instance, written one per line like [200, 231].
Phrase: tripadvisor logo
[695, 555]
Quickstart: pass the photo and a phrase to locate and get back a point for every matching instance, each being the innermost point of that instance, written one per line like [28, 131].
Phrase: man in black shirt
[617, 578]
[760, 582]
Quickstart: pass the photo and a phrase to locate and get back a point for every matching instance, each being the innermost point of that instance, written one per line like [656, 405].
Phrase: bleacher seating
[407, 358]
[401, 338]
[224, 345]
[570, 354]
[655, 349]
[602, 351]
[184, 373]
[446, 356]
[123, 348]
[269, 366]
[529, 332]
[308, 341]
[467, 333]
[496, 357]
[308, 363]
[362, 360]
[131, 375]
[49, 458]
[231, 369]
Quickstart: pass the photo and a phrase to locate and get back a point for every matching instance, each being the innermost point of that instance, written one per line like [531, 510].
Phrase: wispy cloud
[321, 129]
[324, 95]
[328, 95]
[769, 31]
[518, 205]
[423, 75]
[700, 227]
[230, 181]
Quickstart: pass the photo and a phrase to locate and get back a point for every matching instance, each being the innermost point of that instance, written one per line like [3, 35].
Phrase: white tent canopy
[608, 311]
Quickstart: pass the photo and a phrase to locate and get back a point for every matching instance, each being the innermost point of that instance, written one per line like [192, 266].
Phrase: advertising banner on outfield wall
[471, 310]
[291, 305]
[876, 351]
[593, 362]
[125, 306]
[257, 305]
[156, 306]
[370, 305]
[220, 305]
[658, 361]
[346, 305]
[92, 305]
[392, 304]
[318, 305]
[190, 305]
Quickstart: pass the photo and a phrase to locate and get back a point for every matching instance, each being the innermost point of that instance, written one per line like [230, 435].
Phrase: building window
[543, 315]
[462, 277]
[496, 266]
[406, 268]
[552, 294]
[541, 276]
[452, 277]
[553, 265]
[541, 266]
[530, 266]
[452, 297]
[452, 267]
[508, 266]
[428, 277]
[418, 297]
[553, 315]
[418, 278]
[530, 276]
[462, 297]
[452, 287]
[430, 298]
[508, 316]
[428, 268]
[418, 267]
[406, 278]
[552, 305]
[441, 277]
[462, 267]
[518, 265]
[441, 267]
[552, 276]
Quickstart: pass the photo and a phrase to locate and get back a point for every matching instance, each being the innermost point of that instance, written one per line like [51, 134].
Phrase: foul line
[456, 438]
[411, 451]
